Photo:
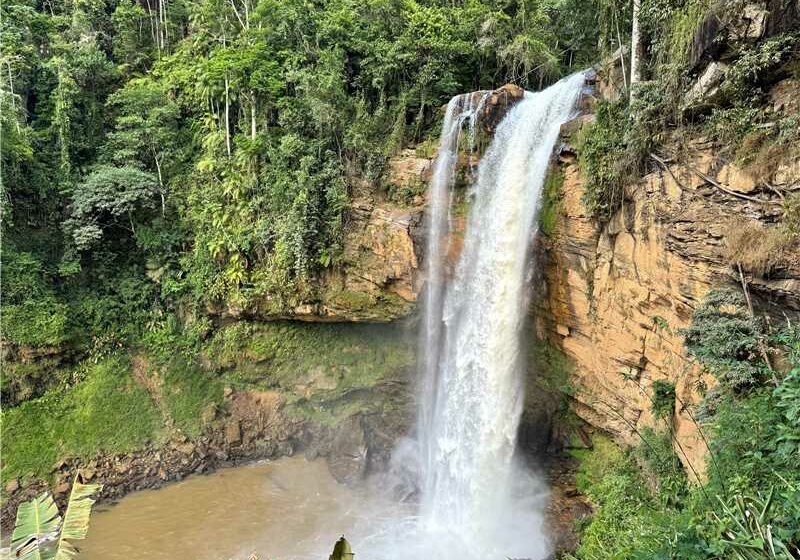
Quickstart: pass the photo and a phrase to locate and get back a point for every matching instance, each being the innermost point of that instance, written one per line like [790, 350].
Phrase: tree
[107, 195]
[145, 130]
[636, 47]
[132, 45]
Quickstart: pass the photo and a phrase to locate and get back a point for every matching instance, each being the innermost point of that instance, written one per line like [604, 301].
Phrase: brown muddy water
[291, 509]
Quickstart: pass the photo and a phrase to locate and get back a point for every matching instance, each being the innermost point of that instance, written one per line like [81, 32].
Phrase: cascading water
[470, 351]
[460, 109]
[475, 502]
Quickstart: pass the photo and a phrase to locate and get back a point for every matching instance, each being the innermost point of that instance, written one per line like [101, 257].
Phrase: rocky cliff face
[617, 294]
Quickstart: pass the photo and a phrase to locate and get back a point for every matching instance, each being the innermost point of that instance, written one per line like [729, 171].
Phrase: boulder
[704, 45]
[497, 105]
[233, 432]
[748, 24]
[347, 460]
[12, 486]
[785, 97]
[87, 473]
[706, 91]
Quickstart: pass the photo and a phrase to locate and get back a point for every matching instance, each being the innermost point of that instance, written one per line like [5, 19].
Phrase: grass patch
[551, 201]
[188, 391]
[106, 411]
[627, 522]
[758, 249]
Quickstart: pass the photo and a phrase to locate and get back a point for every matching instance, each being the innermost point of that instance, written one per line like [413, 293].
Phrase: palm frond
[76, 518]
[36, 520]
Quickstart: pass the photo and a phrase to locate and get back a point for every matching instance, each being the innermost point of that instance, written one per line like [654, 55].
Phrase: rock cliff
[617, 294]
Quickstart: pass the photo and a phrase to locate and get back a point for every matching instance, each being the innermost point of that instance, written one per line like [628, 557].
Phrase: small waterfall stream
[470, 353]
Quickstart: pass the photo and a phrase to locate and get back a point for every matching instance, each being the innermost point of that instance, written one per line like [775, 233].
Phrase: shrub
[601, 150]
[757, 249]
[551, 201]
[726, 339]
[32, 315]
[662, 466]
[663, 401]
[614, 149]
[627, 522]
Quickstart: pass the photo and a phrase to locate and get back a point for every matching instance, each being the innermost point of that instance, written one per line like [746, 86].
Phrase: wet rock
[574, 125]
[87, 473]
[704, 46]
[498, 104]
[348, 457]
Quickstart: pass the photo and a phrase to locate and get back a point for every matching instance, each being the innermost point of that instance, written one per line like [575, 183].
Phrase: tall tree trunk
[165, 26]
[152, 25]
[252, 114]
[621, 52]
[227, 116]
[160, 182]
[636, 50]
[11, 94]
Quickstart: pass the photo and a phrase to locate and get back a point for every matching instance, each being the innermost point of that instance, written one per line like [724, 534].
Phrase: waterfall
[470, 352]
[460, 109]
[475, 502]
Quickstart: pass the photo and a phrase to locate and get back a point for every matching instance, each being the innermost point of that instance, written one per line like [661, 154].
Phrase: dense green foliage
[628, 521]
[163, 159]
[727, 339]
[217, 143]
[173, 158]
[663, 398]
[656, 116]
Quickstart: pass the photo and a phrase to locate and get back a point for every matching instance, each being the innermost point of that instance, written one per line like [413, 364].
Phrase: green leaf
[76, 519]
[35, 520]
[342, 550]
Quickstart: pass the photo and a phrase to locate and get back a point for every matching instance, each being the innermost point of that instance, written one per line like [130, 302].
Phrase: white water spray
[471, 345]
[476, 503]
[461, 108]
